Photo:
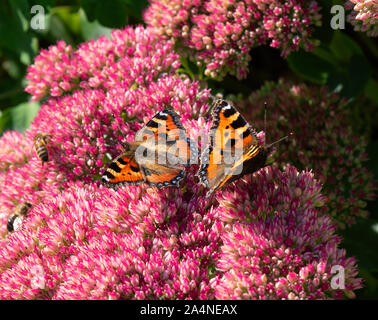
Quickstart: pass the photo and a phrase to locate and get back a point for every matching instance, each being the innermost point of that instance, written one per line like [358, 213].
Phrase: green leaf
[107, 13]
[309, 66]
[370, 290]
[12, 68]
[371, 90]
[324, 32]
[21, 11]
[19, 117]
[5, 120]
[46, 4]
[359, 74]
[92, 30]
[23, 114]
[342, 66]
[350, 82]
[344, 47]
[324, 53]
[186, 67]
[57, 29]
[361, 241]
[14, 25]
[11, 92]
[69, 16]
[136, 7]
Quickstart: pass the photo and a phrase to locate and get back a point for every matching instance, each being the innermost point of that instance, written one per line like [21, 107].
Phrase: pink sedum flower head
[142, 243]
[86, 123]
[31, 182]
[263, 236]
[218, 35]
[15, 150]
[328, 146]
[51, 72]
[276, 244]
[364, 16]
[135, 79]
[102, 63]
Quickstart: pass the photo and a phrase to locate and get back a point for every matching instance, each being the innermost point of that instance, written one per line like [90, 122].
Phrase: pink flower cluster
[90, 123]
[265, 236]
[323, 141]
[262, 238]
[102, 63]
[364, 16]
[87, 125]
[218, 35]
[14, 150]
[30, 182]
[276, 243]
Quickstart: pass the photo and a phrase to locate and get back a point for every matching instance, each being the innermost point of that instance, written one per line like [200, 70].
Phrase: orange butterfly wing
[161, 176]
[169, 137]
[230, 134]
[164, 136]
[170, 144]
[122, 171]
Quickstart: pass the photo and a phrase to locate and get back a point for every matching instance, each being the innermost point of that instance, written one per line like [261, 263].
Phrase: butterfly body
[233, 149]
[158, 155]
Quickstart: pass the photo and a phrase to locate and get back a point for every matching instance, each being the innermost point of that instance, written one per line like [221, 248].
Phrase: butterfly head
[125, 146]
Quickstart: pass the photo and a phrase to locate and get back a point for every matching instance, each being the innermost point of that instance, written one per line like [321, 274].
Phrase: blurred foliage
[73, 21]
[345, 61]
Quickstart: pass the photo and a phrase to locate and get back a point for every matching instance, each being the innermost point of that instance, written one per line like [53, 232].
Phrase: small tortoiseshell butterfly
[230, 134]
[158, 156]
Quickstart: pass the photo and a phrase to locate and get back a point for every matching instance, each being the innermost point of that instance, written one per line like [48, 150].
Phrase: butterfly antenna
[279, 140]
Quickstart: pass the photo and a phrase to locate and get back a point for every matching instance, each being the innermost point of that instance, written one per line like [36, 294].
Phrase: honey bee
[15, 221]
[40, 146]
